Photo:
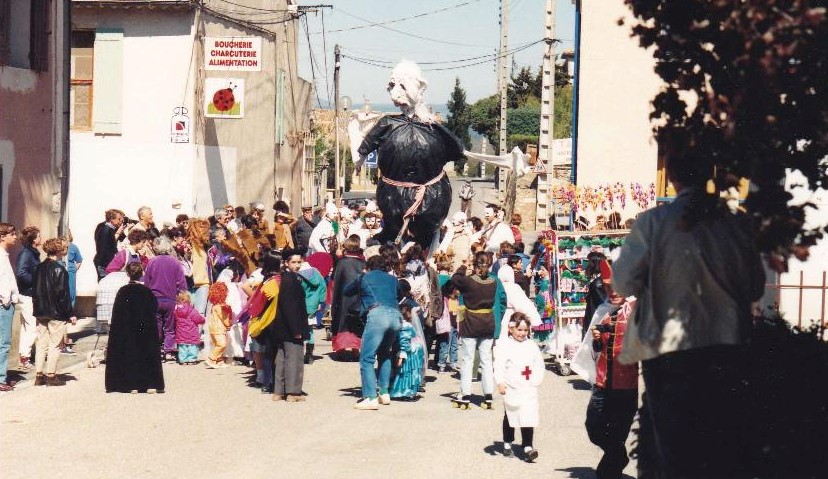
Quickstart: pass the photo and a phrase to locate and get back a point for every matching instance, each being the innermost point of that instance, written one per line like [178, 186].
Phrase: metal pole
[502, 88]
[337, 189]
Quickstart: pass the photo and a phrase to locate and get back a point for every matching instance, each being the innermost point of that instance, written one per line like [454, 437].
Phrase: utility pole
[337, 191]
[503, 70]
[502, 87]
[546, 177]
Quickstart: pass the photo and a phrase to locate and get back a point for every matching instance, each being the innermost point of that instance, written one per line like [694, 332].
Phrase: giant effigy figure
[413, 191]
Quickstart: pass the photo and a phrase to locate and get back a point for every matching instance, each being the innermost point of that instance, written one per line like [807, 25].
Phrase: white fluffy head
[407, 89]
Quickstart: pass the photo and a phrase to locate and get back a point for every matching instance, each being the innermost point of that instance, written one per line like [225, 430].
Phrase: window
[82, 69]
[96, 106]
[24, 34]
[309, 187]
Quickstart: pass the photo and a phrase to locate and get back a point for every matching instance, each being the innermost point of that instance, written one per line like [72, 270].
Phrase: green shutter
[280, 107]
[108, 81]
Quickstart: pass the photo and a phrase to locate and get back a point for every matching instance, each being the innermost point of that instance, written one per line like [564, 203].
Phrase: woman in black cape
[133, 360]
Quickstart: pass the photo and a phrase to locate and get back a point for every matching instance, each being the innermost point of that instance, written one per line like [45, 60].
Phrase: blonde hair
[183, 297]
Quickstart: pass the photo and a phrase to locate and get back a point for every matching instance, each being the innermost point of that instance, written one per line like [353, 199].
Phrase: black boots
[309, 354]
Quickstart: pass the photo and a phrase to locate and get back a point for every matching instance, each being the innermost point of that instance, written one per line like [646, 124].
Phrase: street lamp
[344, 104]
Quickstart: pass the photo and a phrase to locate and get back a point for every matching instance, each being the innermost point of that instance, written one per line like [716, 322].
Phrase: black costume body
[409, 150]
[133, 356]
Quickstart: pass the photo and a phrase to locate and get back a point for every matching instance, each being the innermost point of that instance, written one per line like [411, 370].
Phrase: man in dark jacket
[304, 227]
[107, 235]
[27, 261]
[53, 309]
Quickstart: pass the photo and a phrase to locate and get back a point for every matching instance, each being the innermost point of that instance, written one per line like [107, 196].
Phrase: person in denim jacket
[378, 296]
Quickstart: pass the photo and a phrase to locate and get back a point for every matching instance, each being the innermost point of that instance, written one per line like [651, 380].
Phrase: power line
[461, 60]
[428, 39]
[312, 59]
[489, 58]
[397, 20]
[325, 52]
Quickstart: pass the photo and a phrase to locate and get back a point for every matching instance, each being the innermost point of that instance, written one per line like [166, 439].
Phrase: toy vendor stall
[568, 264]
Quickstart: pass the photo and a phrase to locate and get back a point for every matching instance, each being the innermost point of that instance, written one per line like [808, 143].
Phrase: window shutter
[5, 27]
[39, 36]
[280, 107]
[108, 90]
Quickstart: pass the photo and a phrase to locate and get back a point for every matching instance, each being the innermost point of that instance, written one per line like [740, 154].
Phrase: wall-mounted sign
[233, 53]
[180, 126]
[224, 97]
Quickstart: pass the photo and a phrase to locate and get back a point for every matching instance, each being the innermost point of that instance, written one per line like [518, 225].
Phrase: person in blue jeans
[9, 296]
[377, 292]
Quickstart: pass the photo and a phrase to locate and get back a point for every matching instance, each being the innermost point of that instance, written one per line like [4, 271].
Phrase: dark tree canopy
[754, 73]
[458, 119]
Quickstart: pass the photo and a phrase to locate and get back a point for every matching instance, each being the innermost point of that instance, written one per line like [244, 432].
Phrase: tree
[483, 117]
[458, 120]
[756, 70]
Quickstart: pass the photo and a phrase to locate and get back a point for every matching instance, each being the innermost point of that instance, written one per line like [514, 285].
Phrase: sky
[443, 31]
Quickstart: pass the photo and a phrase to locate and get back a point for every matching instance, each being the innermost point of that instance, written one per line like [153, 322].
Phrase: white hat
[330, 209]
[371, 206]
[345, 212]
[458, 218]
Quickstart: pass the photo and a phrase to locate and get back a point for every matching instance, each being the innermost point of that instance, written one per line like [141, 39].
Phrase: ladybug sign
[224, 97]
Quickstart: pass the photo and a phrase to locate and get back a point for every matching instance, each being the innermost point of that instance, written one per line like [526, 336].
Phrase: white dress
[520, 366]
[516, 301]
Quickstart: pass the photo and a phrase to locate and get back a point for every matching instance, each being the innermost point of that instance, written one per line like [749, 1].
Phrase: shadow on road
[586, 473]
[351, 392]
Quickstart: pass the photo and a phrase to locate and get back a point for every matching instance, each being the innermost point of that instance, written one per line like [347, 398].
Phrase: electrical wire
[487, 60]
[461, 60]
[312, 59]
[397, 20]
[325, 52]
[428, 39]
[269, 10]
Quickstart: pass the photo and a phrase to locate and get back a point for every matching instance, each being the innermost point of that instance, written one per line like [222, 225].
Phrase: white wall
[617, 83]
[142, 167]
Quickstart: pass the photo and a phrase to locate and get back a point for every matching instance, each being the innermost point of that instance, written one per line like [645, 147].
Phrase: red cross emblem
[526, 372]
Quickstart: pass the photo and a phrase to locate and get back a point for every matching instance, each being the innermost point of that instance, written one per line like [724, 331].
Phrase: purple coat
[164, 276]
[187, 320]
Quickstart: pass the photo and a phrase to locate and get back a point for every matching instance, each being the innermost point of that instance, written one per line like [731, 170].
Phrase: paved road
[209, 424]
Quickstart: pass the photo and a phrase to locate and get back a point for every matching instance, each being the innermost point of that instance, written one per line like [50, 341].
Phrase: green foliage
[523, 121]
[758, 69]
[524, 101]
[459, 113]
[521, 141]
[484, 115]
[562, 122]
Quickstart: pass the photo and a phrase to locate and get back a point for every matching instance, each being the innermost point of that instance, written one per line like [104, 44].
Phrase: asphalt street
[210, 424]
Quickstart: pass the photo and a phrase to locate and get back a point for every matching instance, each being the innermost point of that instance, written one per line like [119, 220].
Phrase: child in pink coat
[187, 334]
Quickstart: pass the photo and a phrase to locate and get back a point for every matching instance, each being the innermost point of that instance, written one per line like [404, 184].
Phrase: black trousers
[526, 433]
[609, 416]
[691, 416]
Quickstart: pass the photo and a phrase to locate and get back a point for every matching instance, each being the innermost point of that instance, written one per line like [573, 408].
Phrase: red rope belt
[418, 197]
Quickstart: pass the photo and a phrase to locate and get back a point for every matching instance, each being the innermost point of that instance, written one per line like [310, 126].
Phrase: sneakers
[25, 363]
[67, 350]
[441, 369]
[278, 397]
[367, 404]
[295, 398]
[507, 450]
[385, 399]
[531, 454]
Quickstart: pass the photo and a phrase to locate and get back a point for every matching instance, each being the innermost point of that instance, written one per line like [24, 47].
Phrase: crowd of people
[235, 288]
